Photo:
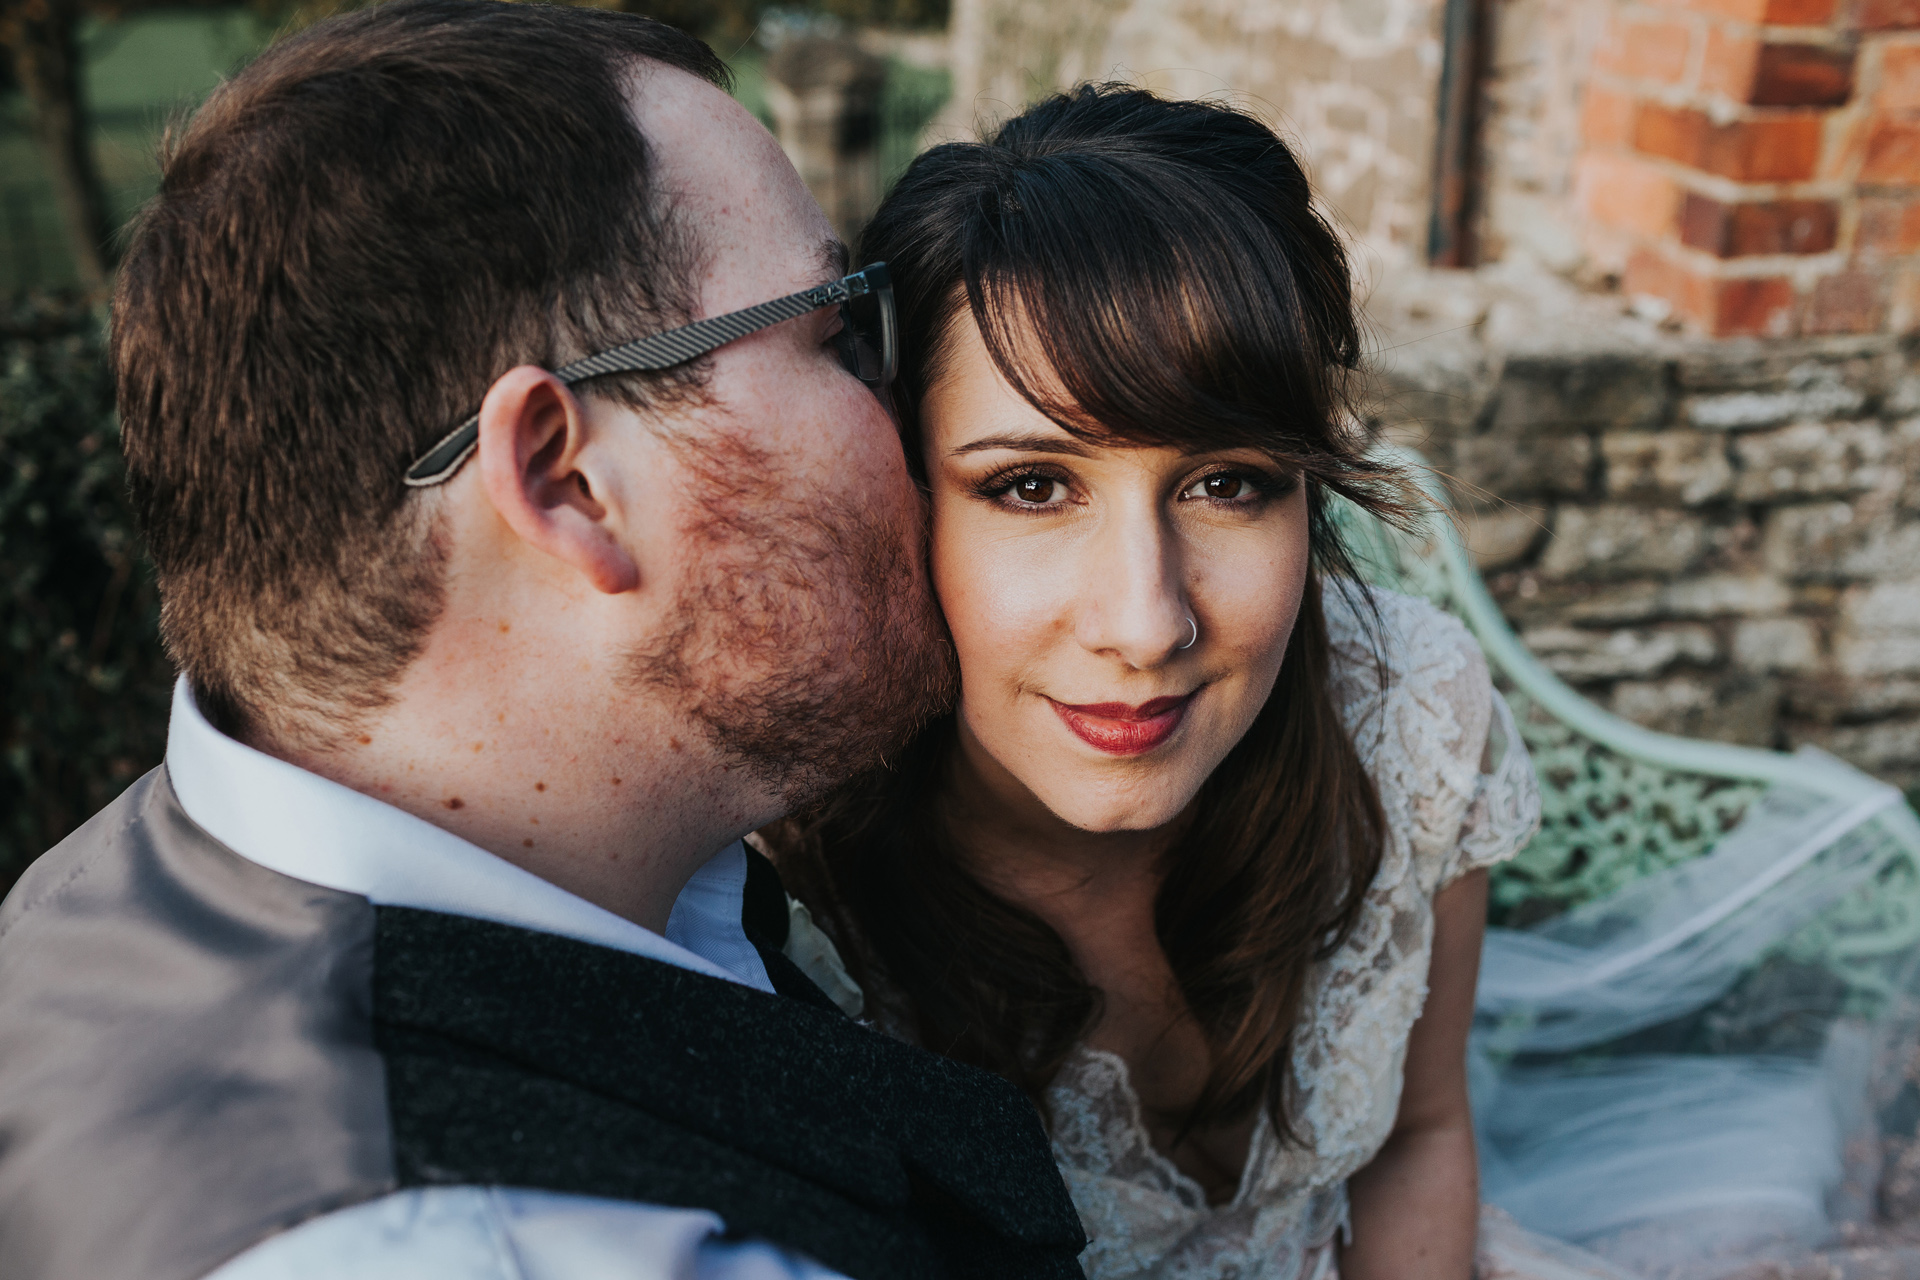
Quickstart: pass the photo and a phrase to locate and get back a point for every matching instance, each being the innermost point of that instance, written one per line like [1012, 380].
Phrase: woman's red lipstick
[1121, 730]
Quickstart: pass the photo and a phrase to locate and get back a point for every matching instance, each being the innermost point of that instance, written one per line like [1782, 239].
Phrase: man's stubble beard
[807, 644]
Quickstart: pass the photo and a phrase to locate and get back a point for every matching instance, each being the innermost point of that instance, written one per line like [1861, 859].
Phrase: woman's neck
[1018, 848]
[1097, 890]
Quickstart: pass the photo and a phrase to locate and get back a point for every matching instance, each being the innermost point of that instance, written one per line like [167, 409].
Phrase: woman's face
[1069, 572]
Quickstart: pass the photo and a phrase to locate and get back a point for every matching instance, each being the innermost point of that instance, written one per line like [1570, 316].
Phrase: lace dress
[1424, 738]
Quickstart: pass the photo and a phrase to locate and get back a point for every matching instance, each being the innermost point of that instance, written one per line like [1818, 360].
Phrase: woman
[1199, 859]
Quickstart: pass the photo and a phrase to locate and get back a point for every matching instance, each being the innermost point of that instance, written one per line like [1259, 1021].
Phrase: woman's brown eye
[1226, 488]
[1034, 489]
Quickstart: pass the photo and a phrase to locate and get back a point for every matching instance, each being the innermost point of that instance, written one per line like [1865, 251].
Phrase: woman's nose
[1132, 605]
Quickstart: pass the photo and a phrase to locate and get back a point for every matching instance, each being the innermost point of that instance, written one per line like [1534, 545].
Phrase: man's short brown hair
[352, 239]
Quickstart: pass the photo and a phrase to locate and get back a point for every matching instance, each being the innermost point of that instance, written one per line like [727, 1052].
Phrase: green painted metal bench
[1717, 995]
[1619, 801]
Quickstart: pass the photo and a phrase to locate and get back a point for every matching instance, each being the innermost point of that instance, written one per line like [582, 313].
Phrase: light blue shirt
[304, 826]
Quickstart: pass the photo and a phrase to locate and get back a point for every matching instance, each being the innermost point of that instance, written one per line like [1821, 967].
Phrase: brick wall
[1754, 163]
[1714, 538]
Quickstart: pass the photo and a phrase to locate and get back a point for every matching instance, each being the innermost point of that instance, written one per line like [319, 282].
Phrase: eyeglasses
[868, 345]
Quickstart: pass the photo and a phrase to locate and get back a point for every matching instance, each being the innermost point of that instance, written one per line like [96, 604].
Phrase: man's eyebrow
[1026, 444]
[834, 256]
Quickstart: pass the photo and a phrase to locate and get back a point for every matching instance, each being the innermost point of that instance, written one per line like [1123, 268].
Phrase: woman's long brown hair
[1144, 272]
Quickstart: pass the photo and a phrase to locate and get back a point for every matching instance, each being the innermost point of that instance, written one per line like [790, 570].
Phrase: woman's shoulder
[1386, 643]
[1413, 688]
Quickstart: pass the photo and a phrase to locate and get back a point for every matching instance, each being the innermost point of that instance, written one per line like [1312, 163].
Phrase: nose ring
[1196, 633]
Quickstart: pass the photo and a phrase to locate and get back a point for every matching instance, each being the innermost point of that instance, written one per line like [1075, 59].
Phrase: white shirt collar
[304, 826]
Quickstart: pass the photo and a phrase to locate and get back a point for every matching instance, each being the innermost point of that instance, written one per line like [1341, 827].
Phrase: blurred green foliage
[83, 684]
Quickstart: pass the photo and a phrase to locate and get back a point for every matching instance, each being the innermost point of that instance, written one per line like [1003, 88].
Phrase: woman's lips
[1121, 730]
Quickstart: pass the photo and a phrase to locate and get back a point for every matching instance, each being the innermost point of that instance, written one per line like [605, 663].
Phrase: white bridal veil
[1691, 1073]
[1707, 1065]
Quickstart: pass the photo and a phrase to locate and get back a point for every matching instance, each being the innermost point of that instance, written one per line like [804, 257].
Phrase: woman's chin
[1099, 810]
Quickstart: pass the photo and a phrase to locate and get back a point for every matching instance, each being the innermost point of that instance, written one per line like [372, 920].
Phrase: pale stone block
[1744, 410]
[1659, 704]
[1859, 657]
[1813, 391]
[1612, 602]
[1602, 542]
[1879, 630]
[1888, 748]
[1868, 538]
[1687, 467]
[1725, 594]
[1509, 466]
[1883, 607]
[1809, 540]
[1501, 536]
[1616, 390]
[1581, 655]
[1905, 396]
[1737, 709]
[1776, 644]
[1811, 459]
[1862, 698]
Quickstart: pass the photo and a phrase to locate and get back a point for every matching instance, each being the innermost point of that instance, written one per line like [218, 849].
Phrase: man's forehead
[730, 176]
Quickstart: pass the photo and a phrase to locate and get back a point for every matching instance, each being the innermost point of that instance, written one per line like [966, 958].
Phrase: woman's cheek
[977, 595]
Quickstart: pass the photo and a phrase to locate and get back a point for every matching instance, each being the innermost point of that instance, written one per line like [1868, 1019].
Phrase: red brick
[1785, 13]
[1802, 75]
[1606, 117]
[1797, 13]
[1849, 302]
[1758, 227]
[1641, 50]
[1688, 292]
[1903, 306]
[1728, 66]
[1778, 150]
[1677, 133]
[1761, 307]
[1784, 149]
[1722, 308]
[1888, 225]
[1886, 15]
[1628, 193]
[1899, 79]
[1893, 154]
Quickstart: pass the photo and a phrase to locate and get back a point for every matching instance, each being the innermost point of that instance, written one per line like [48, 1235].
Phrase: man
[423, 955]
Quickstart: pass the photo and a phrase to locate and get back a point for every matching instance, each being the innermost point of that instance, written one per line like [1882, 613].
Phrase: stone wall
[1353, 81]
[1719, 539]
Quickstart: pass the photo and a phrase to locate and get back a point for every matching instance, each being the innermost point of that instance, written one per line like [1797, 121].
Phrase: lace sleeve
[1505, 810]
[1438, 739]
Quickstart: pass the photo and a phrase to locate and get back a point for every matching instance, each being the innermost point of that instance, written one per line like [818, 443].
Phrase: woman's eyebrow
[1026, 444]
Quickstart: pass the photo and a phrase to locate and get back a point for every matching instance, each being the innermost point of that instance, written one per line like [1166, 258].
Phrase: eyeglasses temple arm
[647, 355]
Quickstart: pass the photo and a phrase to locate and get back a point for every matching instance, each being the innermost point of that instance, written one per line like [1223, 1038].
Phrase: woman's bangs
[1131, 309]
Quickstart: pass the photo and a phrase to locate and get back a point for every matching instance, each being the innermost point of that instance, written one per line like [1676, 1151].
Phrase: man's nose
[1133, 606]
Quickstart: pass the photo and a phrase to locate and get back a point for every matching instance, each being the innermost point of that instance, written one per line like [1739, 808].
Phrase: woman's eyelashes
[1032, 489]
[1024, 488]
[1238, 487]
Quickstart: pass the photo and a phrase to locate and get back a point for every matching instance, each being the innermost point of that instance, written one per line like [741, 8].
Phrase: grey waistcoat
[186, 1057]
[197, 1052]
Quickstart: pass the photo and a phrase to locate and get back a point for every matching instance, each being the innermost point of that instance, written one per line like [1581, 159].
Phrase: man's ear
[532, 434]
